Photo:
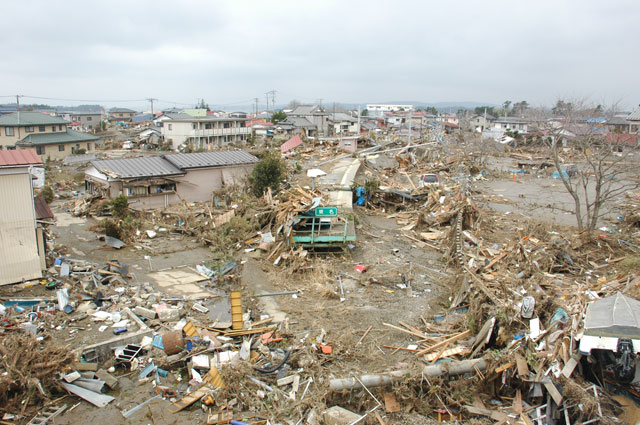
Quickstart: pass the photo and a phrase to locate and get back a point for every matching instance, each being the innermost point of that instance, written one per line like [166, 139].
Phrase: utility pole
[409, 144]
[273, 98]
[266, 95]
[484, 124]
[18, 110]
[150, 99]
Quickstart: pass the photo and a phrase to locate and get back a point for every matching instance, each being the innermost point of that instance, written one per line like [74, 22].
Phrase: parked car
[128, 144]
[429, 180]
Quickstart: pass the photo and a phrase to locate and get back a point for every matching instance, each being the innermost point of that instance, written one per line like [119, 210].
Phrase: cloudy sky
[229, 52]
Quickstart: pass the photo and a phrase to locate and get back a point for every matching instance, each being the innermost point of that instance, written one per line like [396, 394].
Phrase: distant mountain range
[442, 105]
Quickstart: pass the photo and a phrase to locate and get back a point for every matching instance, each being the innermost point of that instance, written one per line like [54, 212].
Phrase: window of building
[162, 188]
[89, 118]
[193, 126]
[53, 128]
[137, 191]
[41, 128]
[60, 127]
[8, 131]
[207, 126]
[40, 150]
[169, 127]
[88, 147]
[29, 129]
[60, 148]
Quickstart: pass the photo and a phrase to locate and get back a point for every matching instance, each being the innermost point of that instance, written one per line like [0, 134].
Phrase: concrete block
[110, 380]
[169, 314]
[145, 312]
[337, 415]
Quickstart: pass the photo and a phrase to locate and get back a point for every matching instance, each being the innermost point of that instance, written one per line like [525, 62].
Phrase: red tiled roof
[12, 158]
[291, 143]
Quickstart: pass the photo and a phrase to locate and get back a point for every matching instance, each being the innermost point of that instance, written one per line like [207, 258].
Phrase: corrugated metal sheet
[210, 159]
[14, 157]
[43, 211]
[18, 247]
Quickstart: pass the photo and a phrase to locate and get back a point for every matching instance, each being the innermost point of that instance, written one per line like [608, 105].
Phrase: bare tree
[293, 104]
[595, 166]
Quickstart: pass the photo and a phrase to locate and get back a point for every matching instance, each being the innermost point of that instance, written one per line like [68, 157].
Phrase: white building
[378, 110]
[205, 132]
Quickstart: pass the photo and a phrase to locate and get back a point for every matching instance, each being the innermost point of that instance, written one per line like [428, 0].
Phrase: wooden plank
[505, 366]
[380, 421]
[444, 347]
[391, 405]
[454, 351]
[364, 336]
[553, 392]
[523, 367]
[446, 341]
[495, 260]
[568, 368]
[419, 335]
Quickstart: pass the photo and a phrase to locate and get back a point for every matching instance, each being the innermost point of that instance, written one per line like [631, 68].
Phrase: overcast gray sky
[346, 51]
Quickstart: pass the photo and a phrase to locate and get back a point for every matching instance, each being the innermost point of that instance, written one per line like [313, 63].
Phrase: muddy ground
[403, 282]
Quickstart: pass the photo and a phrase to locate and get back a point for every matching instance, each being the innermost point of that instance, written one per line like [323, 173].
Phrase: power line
[86, 100]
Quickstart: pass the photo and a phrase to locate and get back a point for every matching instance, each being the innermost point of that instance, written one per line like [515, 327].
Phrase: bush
[120, 206]
[47, 194]
[111, 228]
[267, 173]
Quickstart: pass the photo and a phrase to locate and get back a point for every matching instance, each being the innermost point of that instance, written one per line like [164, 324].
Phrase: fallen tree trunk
[445, 368]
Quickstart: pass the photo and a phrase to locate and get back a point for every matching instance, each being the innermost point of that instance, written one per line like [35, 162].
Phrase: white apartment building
[378, 110]
[205, 132]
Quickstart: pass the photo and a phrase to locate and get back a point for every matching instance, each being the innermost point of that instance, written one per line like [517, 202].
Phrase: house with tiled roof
[121, 114]
[50, 136]
[159, 181]
[634, 121]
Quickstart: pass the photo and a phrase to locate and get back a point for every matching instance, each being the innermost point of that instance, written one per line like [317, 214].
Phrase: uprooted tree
[602, 165]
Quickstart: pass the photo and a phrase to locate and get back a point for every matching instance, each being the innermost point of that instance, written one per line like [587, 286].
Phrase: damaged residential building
[22, 240]
[159, 181]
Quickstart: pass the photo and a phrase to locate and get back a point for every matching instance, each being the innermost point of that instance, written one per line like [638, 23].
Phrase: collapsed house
[159, 181]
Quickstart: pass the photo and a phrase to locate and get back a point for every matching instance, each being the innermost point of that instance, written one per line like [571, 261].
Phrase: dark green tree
[479, 110]
[278, 116]
[47, 193]
[268, 172]
[120, 206]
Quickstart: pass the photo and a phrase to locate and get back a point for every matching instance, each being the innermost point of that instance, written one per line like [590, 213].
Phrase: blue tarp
[360, 193]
